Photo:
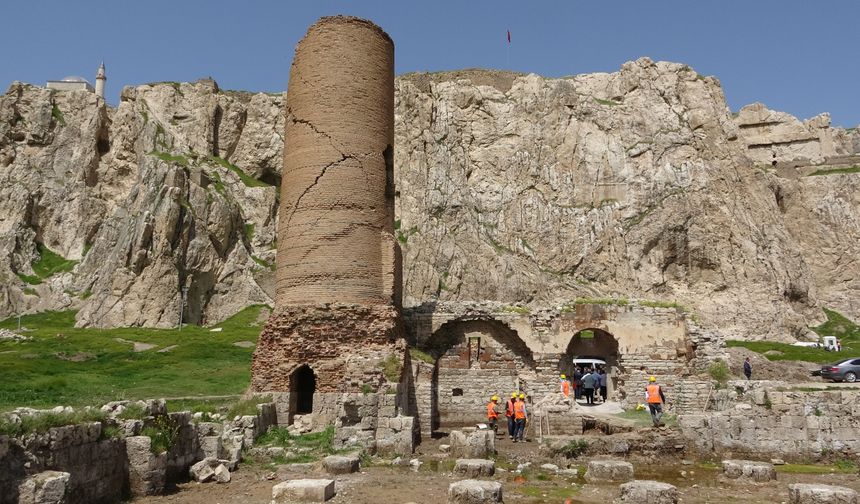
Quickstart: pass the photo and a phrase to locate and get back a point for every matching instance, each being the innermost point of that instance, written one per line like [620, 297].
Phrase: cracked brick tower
[336, 326]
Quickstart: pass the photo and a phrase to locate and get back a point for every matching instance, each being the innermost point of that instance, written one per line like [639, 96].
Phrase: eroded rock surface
[514, 188]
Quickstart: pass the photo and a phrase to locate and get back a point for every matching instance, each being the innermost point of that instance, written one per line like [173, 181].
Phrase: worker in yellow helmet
[564, 385]
[509, 413]
[520, 417]
[492, 414]
[655, 399]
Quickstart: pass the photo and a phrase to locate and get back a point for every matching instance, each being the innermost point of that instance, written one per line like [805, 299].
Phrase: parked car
[845, 369]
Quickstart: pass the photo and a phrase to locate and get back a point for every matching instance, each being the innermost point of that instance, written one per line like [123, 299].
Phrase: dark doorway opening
[303, 384]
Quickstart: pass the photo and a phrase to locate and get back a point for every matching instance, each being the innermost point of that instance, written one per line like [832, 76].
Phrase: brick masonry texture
[335, 235]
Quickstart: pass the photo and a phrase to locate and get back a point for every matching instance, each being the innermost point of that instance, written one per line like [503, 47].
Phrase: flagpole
[509, 51]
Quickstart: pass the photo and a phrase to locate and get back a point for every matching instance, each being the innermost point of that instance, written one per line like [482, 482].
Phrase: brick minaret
[337, 309]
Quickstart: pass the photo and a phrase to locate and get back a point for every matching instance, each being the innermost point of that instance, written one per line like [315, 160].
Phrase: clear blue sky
[800, 56]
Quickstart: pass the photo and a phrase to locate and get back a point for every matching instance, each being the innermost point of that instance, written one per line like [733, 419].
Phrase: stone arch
[474, 359]
[592, 342]
[302, 389]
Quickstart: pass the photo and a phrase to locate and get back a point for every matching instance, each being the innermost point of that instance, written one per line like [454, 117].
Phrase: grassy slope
[836, 325]
[204, 363]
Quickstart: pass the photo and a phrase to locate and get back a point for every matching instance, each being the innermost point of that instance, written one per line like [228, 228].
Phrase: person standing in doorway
[601, 379]
[521, 416]
[588, 382]
[509, 413]
[655, 399]
[577, 383]
[747, 368]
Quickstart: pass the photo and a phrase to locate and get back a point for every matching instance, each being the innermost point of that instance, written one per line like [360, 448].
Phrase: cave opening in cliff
[302, 386]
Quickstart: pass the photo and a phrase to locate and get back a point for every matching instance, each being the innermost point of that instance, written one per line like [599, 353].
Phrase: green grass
[207, 406]
[308, 447]
[643, 418]
[203, 364]
[263, 263]
[789, 352]
[605, 102]
[170, 159]
[571, 306]
[719, 370]
[57, 114]
[838, 466]
[421, 355]
[51, 263]
[555, 493]
[391, 368]
[833, 171]
[522, 310]
[30, 279]
[247, 407]
[246, 179]
[838, 325]
[41, 423]
[661, 304]
[249, 231]
[163, 433]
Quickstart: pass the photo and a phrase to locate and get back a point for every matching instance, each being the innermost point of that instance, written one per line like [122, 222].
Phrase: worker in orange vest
[564, 385]
[521, 415]
[509, 413]
[492, 414]
[655, 399]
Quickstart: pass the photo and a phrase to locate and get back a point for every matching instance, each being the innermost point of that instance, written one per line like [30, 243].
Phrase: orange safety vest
[519, 410]
[509, 408]
[565, 387]
[491, 411]
[653, 392]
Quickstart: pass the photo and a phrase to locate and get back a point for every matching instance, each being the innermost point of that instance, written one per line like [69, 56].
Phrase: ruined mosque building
[76, 83]
[334, 350]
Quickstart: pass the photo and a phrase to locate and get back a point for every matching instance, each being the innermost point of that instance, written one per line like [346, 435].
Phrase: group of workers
[517, 414]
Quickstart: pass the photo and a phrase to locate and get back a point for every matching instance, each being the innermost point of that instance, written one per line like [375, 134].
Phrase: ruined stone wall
[337, 195]
[97, 466]
[294, 336]
[772, 419]
[106, 470]
[485, 350]
[771, 136]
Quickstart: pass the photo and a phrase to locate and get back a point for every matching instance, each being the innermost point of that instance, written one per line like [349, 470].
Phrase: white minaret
[100, 81]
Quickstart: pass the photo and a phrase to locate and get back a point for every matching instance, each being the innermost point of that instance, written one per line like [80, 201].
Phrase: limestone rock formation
[509, 187]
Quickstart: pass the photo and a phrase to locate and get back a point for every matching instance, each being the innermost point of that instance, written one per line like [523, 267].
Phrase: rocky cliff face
[510, 187]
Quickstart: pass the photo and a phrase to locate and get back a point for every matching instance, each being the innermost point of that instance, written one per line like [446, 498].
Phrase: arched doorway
[303, 383]
[592, 343]
[475, 359]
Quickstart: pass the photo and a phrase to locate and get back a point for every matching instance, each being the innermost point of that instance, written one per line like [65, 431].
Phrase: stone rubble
[647, 491]
[338, 464]
[749, 469]
[473, 491]
[802, 493]
[474, 468]
[608, 470]
[303, 490]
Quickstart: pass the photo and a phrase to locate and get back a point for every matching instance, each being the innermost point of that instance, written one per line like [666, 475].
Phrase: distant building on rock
[78, 83]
